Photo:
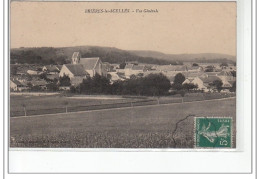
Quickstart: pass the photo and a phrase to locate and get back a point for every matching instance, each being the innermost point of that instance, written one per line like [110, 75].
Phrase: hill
[62, 55]
[200, 57]
[50, 55]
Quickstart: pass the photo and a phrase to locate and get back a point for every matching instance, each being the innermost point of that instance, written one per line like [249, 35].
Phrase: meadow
[152, 126]
[51, 104]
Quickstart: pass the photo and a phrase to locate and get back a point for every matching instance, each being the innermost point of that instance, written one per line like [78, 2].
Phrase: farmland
[136, 127]
[51, 104]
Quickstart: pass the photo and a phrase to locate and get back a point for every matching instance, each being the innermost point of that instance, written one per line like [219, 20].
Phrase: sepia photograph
[128, 75]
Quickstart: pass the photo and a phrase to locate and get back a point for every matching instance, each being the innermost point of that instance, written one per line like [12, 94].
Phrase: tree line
[150, 85]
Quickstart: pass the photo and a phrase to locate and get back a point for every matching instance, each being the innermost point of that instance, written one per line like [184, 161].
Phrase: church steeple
[75, 58]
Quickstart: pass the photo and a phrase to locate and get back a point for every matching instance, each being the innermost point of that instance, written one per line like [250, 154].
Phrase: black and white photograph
[130, 75]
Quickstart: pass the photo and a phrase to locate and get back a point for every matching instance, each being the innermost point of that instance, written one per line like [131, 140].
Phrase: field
[151, 126]
[52, 104]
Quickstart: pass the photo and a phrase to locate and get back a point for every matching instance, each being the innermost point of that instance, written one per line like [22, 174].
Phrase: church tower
[75, 58]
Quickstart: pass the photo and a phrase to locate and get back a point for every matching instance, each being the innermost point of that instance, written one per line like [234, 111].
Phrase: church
[80, 68]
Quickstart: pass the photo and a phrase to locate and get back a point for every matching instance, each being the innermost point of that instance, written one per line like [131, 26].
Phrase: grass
[36, 105]
[138, 127]
[57, 104]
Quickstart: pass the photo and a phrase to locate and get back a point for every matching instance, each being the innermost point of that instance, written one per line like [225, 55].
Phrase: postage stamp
[213, 132]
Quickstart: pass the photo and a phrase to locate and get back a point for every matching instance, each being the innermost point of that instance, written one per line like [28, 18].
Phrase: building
[80, 68]
[16, 85]
[75, 72]
[204, 83]
[32, 72]
[132, 69]
[91, 65]
[52, 69]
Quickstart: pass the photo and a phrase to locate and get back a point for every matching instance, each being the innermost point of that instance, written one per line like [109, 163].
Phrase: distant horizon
[126, 50]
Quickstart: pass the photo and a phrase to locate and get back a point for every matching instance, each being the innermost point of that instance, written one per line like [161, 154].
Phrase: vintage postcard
[127, 75]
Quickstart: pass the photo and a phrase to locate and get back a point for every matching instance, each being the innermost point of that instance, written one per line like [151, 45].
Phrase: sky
[177, 27]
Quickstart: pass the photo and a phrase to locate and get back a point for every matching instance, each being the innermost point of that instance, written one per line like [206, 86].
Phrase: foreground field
[137, 127]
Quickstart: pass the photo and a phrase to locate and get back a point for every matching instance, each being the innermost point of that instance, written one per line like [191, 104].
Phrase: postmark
[213, 132]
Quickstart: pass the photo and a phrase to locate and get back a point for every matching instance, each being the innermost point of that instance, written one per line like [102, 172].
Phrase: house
[32, 72]
[108, 67]
[204, 83]
[16, 85]
[115, 77]
[226, 76]
[52, 69]
[132, 69]
[39, 82]
[75, 72]
[52, 76]
[187, 81]
[171, 68]
[114, 67]
[194, 68]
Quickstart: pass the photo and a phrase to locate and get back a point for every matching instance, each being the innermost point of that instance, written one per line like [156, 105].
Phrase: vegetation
[217, 84]
[151, 85]
[64, 81]
[233, 88]
[50, 55]
[146, 127]
[223, 64]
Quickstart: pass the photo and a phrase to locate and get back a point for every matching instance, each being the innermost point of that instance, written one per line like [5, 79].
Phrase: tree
[189, 86]
[178, 80]
[97, 84]
[234, 74]
[217, 84]
[64, 80]
[109, 76]
[52, 86]
[154, 84]
[233, 88]
[122, 65]
[73, 89]
[13, 70]
[224, 64]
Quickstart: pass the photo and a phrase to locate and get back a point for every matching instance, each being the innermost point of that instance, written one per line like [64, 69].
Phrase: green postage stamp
[213, 132]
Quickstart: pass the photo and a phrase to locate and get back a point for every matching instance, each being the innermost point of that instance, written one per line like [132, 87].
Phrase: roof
[76, 69]
[52, 77]
[188, 80]
[17, 82]
[172, 68]
[129, 66]
[225, 73]
[232, 81]
[75, 54]
[193, 74]
[38, 82]
[212, 73]
[193, 67]
[210, 79]
[89, 63]
[52, 68]
[59, 67]
[138, 67]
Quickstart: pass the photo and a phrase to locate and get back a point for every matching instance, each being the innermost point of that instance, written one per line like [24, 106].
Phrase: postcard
[132, 75]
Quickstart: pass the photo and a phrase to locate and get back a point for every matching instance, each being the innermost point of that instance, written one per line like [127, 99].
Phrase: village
[204, 77]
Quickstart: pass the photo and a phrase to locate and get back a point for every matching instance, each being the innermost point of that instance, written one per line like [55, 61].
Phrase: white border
[153, 162]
